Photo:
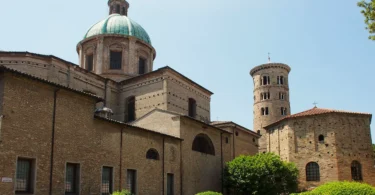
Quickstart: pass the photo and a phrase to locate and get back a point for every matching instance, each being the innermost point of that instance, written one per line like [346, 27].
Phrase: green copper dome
[119, 25]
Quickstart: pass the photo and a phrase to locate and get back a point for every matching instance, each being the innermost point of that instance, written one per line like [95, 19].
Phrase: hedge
[209, 193]
[342, 188]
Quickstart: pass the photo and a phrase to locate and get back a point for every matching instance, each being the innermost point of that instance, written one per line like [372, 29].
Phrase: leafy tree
[373, 147]
[262, 174]
[369, 12]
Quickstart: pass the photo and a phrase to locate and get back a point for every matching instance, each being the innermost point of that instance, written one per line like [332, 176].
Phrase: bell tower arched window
[202, 143]
[131, 108]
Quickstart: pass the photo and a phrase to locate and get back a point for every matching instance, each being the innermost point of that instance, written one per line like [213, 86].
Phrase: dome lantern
[118, 7]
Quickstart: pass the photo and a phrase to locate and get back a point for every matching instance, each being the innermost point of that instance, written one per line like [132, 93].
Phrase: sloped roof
[231, 123]
[317, 111]
[7, 69]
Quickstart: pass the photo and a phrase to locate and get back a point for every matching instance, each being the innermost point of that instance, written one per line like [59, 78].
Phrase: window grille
[72, 179]
[24, 176]
[107, 180]
[312, 172]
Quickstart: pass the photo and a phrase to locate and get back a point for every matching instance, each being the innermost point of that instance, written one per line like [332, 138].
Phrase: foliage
[209, 193]
[373, 147]
[262, 174]
[342, 188]
[123, 192]
[369, 12]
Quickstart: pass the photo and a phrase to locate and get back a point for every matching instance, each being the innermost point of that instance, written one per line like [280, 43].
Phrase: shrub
[123, 192]
[342, 188]
[262, 174]
[209, 193]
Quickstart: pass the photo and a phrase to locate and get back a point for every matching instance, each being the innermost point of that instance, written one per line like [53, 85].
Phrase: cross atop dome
[118, 7]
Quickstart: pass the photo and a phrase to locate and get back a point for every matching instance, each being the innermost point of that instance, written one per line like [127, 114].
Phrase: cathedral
[112, 122]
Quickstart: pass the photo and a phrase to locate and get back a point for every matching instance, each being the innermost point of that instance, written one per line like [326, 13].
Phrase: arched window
[356, 171]
[321, 139]
[131, 108]
[202, 143]
[152, 154]
[258, 132]
[312, 172]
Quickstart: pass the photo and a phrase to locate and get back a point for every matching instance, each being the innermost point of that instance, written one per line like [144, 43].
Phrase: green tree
[373, 147]
[368, 10]
[262, 174]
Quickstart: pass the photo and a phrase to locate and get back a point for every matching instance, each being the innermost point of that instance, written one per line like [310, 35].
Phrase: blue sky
[217, 42]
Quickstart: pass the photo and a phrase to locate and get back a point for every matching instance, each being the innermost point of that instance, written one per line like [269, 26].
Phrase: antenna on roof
[315, 103]
[269, 57]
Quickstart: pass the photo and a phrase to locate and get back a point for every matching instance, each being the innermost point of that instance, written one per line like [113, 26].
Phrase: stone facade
[270, 96]
[346, 138]
[164, 88]
[68, 132]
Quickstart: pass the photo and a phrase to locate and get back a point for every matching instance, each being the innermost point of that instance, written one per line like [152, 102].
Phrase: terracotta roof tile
[219, 122]
[316, 111]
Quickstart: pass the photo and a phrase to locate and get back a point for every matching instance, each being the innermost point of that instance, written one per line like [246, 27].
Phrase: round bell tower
[271, 97]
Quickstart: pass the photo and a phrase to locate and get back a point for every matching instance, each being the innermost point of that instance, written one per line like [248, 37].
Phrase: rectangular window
[192, 108]
[170, 184]
[118, 9]
[142, 66]
[25, 176]
[116, 60]
[131, 108]
[90, 62]
[107, 180]
[72, 179]
[131, 181]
